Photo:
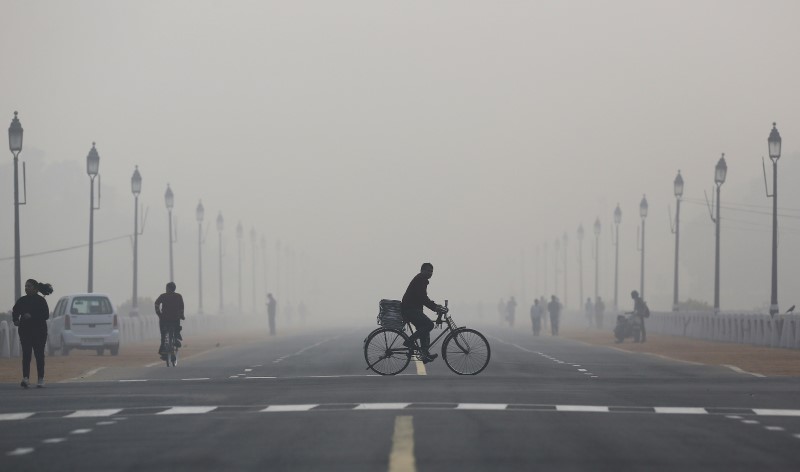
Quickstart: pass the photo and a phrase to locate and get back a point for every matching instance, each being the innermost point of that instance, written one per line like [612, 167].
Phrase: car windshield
[91, 306]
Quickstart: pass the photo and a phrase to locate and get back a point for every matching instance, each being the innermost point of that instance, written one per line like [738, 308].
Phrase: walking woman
[30, 314]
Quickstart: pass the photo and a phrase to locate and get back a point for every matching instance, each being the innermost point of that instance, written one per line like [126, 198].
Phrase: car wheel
[114, 350]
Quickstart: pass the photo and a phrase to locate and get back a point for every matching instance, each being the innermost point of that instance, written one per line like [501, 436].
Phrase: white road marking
[86, 374]
[581, 370]
[771, 412]
[92, 413]
[198, 378]
[481, 406]
[54, 440]
[750, 422]
[20, 451]
[187, 410]
[797, 436]
[678, 410]
[584, 408]
[105, 423]
[303, 350]
[133, 380]
[381, 406]
[248, 370]
[420, 367]
[14, 416]
[734, 417]
[741, 371]
[401, 458]
[261, 377]
[80, 431]
[774, 428]
[274, 408]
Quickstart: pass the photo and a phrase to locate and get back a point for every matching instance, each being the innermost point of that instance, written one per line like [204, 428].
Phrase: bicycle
[464, 350]
[170, 342]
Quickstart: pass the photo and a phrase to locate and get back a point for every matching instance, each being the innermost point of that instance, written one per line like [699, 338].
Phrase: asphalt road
[306, 402]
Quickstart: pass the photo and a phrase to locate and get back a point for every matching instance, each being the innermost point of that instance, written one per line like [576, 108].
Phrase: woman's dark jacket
[36, 305]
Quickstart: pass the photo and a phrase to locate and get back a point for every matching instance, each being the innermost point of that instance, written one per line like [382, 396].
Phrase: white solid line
[134, 380]
[420, 367]
[14, 416]
[481, 406]
[279, 408]
[741, 371]
[774, 428]
[80, 431]
[187, 410]
[771, 412]
[586, 408]
[92, 413]
[20, 451]
[401, 458]
[54, 440]
[261, 377]
[678, 410]
[198, 378]
[381, 406]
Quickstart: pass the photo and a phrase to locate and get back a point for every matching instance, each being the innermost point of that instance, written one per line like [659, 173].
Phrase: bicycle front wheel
[466, 351]
[385, 353]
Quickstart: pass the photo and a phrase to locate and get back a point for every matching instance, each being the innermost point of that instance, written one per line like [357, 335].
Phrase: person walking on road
[169, 308]
[554, 307]
[272, 308]
[30, 315]
[511, 311]
[641, 311]
[414, 299]
[589, 312]
[599, 312]
[537, 311]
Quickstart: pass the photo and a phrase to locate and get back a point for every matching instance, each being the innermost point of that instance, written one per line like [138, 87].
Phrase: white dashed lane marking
[20, 451]
[273, 408]
[14, 416]
[187, 410]
[93, 413]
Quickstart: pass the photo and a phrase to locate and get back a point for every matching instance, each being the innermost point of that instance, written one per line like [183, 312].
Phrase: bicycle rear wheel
[466, 351]
[385, 353]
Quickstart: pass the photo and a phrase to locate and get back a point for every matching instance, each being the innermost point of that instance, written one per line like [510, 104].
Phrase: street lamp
[92, 168]
[678, 188]
[617, 221]
[643, 215]
[15, 145]
[720, 172]
[774, 142]
[596, 257]
[136, 189]
[565, 270]
[557, 246]
[253, 264]
[169, 200]
[199, 213]
[239, 235]
[220, 227]
[580, 263]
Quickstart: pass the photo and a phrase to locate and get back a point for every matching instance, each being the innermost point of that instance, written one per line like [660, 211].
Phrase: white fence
[760, 330]
[145, 328]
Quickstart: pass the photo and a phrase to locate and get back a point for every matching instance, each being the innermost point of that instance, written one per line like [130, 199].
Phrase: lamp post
[169, 201]
[199, 213]
[546, 275]
[774, 142]
[253, 265]
[220, 227]
[580, 264]
[617, 221]
[596, 258]
[720, 172]
[264, 259]
[678, 188]
[566, 293]
[92, 167]
[136, 189]
[557, 247]
[15, 145]
[239, 235]
[643, 215]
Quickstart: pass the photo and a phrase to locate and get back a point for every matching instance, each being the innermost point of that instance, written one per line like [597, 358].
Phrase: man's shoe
[429, 358]
[40, 383]
[24, 383]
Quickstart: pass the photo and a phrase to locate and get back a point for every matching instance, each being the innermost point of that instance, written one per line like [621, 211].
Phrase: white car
[84, 321]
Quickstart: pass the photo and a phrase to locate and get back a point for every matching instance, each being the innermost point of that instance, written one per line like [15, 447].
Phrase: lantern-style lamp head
[677, 185]
[617, 215]
[169, 198]
[239, 230]
[92, 162]
[200, 212]
[774, 142]
[136, 182]
[643, 207]
[597, 227]
[220, 222]
[15, 135]
[721, 171]
[580, 232]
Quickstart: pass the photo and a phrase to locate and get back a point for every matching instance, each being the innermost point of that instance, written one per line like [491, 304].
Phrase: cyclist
[414, 299]
[169, 308]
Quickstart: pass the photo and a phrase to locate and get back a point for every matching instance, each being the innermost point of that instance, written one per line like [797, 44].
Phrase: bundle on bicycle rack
[389, 315]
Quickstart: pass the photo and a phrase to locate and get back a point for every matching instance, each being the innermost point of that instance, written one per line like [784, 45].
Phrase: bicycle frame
[451, 326]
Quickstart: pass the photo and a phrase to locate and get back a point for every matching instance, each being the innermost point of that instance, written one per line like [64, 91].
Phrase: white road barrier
[743, 328]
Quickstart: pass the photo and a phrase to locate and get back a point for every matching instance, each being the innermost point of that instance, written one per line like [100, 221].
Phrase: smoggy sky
[371, 136]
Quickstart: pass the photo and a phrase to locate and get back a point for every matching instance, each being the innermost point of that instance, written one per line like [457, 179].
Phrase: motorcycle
[628, 326]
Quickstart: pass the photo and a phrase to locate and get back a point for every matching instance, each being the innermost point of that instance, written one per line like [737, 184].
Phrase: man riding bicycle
[169, 308]
[414, 299]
